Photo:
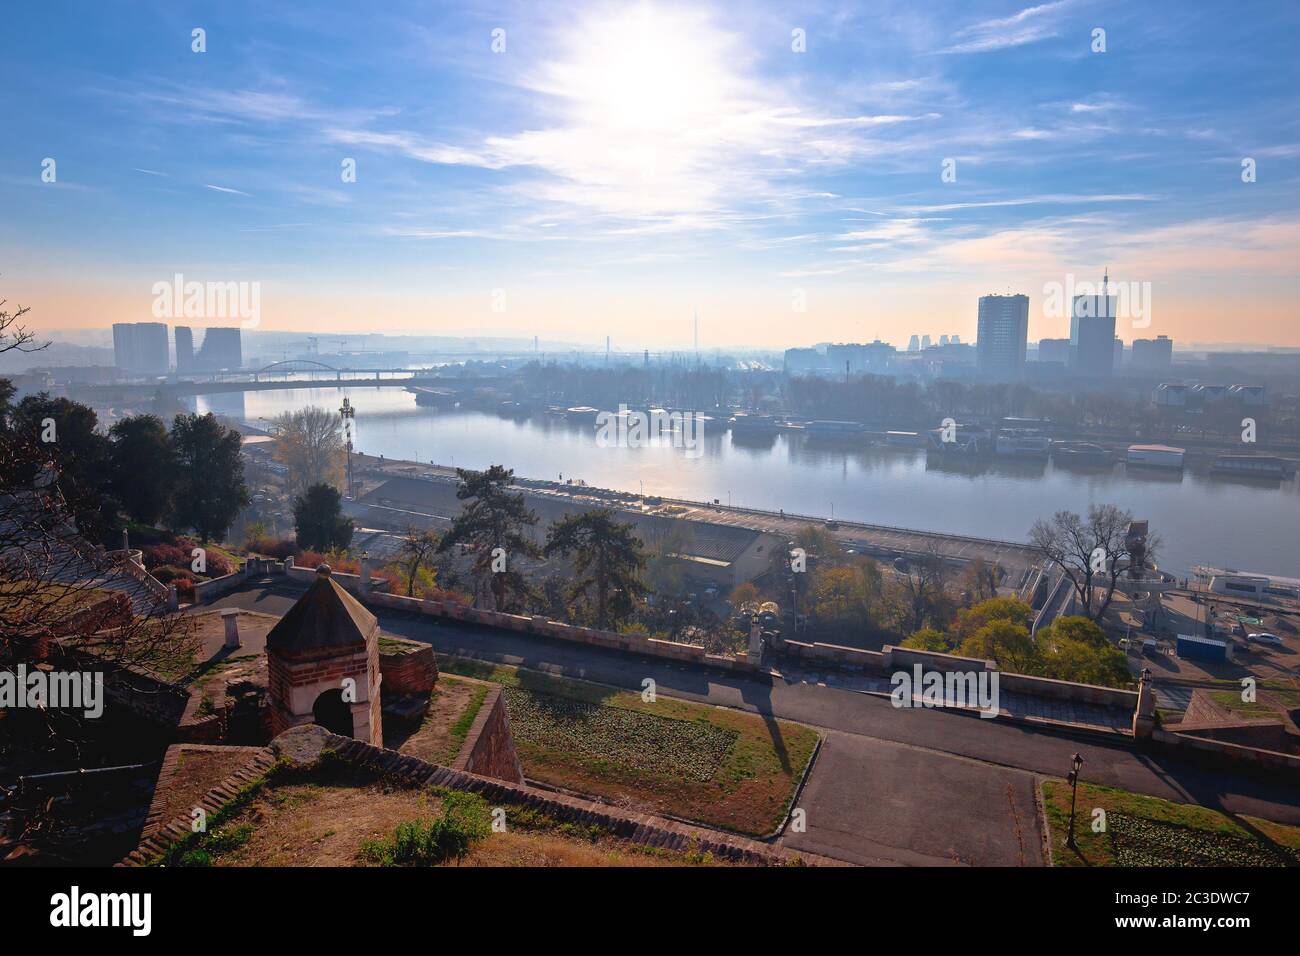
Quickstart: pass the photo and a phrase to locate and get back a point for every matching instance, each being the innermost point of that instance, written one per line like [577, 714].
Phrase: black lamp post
[1077, 765]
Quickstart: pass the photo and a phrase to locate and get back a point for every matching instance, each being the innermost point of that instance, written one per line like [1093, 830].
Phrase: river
[1201, 520]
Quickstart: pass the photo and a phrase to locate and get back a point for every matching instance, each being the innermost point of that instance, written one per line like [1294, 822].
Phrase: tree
[14, 335]
[309, 442]
[928, 639]
[980, 580]
[318, 518]
[143, 467]
[1076, 649]
[845, 598]
[492, 526]
[665, 573]
[922, 590]
[1005, 642]
[743, 594]
[1088, 553]
[210, 490]
[66, 434]
[608, 561]
[419, 545]
[971, 619]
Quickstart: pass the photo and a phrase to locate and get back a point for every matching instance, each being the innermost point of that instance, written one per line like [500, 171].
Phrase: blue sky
[618, 167]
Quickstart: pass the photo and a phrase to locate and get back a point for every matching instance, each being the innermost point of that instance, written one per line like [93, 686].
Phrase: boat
[1251, 466]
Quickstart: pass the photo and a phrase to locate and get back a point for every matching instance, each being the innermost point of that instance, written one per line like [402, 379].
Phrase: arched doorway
[332, 713]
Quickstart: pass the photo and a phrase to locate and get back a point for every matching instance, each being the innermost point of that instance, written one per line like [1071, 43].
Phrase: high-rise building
[1002, 336]
[1119, 353]
[1054, 350]
[1092, 333]
[1152, 354]
[221, 349]
[184, 349]
[925, 342]
[914, 344]
[141, 347]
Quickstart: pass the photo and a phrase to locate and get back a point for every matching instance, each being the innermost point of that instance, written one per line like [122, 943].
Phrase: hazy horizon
[617, 169]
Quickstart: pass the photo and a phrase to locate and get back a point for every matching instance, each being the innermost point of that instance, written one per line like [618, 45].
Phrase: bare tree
[14, 335]
[922, 588]
[1091, 552]
[309, 442]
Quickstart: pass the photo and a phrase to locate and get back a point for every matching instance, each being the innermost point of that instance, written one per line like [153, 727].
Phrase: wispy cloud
[1028, 26]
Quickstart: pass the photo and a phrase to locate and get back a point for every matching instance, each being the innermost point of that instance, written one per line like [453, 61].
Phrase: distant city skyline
[616, 169]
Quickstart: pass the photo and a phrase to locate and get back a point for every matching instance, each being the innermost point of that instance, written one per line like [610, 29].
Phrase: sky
[792, 173]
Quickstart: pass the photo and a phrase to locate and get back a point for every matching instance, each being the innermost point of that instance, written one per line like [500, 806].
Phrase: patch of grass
[1147, 831]
[716, 765]
[615, 735]
[1269, 703]
[464, 820]
[460, 729]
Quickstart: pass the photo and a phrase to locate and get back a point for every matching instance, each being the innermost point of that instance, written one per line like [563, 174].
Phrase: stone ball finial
[323, 569]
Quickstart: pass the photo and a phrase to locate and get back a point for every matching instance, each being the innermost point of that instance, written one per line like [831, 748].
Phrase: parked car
[1264, 639]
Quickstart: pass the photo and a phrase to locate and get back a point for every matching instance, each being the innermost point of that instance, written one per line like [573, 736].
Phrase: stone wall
[489, 748]
[632, 643]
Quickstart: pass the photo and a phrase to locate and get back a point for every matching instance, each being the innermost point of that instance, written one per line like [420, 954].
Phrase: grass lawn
[1148, 831]
[1267, 704]
[337, 816]
[710, 764]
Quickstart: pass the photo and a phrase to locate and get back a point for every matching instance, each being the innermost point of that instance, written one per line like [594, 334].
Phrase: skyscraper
[184, 349]
[1002, 336]
[141, 347]
[221, 349]
[1092, 333]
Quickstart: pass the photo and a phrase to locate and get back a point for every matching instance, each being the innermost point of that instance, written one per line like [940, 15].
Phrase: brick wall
[409, 672]
[489, 748]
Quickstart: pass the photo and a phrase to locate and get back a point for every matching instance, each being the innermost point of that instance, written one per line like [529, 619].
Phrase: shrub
[462, 823]
[278, 548]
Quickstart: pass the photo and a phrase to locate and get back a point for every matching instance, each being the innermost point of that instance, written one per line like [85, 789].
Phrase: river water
[1202, 520]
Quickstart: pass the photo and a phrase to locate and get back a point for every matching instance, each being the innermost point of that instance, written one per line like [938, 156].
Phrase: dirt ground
[327, 825]
[433, 740]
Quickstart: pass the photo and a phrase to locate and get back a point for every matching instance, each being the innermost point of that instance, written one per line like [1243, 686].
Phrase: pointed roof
[325, 616]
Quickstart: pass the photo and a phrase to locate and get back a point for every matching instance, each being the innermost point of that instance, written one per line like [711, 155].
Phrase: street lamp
[1077, 763]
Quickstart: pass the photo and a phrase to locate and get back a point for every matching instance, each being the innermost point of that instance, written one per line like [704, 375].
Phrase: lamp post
[348, 414]
[1076, 764]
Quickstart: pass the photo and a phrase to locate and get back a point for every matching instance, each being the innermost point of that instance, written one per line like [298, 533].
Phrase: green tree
[1076, 649]
[318, 518]
[211, 489]
[607, 558]
[143, 467]
[492, 526]
[66, 434]
[971, 619]
[928, 640]
[1005, 642]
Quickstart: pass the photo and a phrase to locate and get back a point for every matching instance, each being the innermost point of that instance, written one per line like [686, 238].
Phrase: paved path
[875, 802]
[1021, 747]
